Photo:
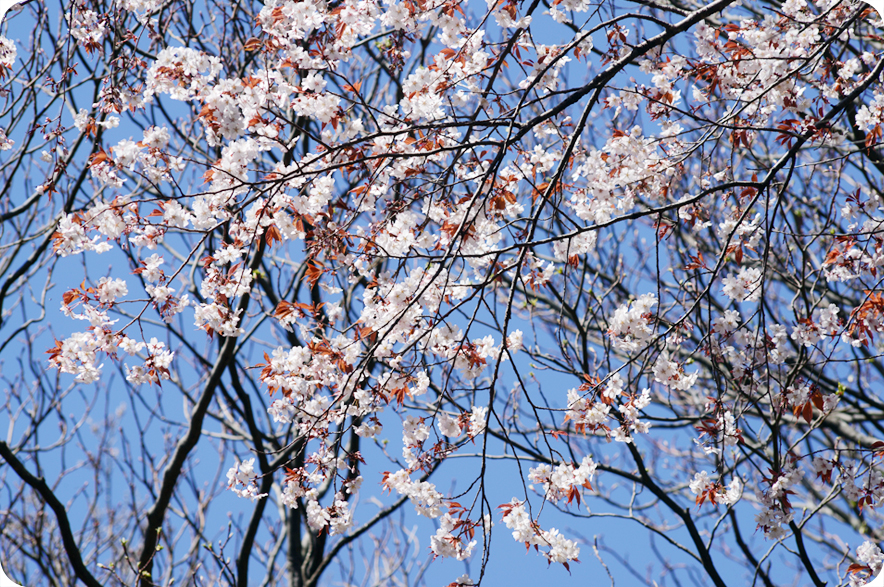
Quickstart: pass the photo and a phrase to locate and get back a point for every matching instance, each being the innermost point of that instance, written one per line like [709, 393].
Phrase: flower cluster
[672, 374]
[586, 413]
[337, 517]
[745, 286]
[526, 530]
[79, 354]
[450, 539]
[631, 324]
[427, 501]
[565, 480]
[810, 331]
[773, 497]
[242, 480]
[705, 489]
[628, 167]
[181, 72]
[8, 53]
[87, 28]
[629, 410]
[301, 485]
[871, 561]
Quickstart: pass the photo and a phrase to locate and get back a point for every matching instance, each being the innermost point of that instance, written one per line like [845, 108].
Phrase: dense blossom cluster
[631, 324]
[776, 510]
[87, 28]
[565, 480]
[704, 489]
[872, 559]
[8, 53]
[558, 548]
[242, 480]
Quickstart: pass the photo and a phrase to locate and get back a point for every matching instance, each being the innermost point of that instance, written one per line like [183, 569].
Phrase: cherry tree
[333, 291]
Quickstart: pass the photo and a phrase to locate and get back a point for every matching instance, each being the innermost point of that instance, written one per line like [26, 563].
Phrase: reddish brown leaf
[253, 44]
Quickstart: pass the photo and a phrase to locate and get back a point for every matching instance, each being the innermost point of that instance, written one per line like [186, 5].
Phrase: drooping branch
[39, 485]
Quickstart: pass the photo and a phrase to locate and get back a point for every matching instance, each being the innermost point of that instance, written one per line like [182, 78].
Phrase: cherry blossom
[391, 247]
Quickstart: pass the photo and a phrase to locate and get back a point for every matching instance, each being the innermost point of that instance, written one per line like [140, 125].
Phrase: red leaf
[271, 235]
[314, 272]
[808, 412]
[354, 88]
[253, 44]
